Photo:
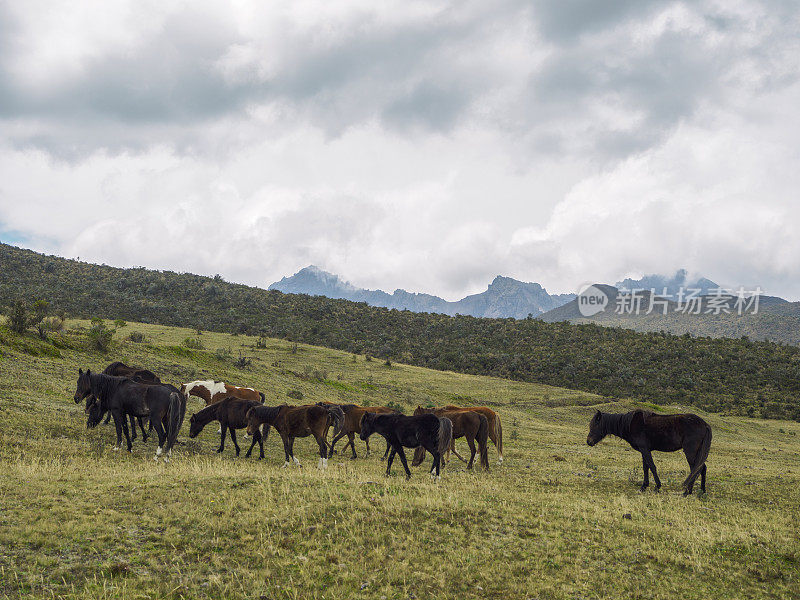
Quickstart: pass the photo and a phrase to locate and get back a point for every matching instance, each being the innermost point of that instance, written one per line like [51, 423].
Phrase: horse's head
[367, 425]
[252, 422]
[596, 432]
[94, 414]
[84, 386]
[195, 426]
[421, 411]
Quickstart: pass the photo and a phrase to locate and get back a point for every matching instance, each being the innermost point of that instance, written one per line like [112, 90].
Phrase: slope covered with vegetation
[557, 520]
[735, 375]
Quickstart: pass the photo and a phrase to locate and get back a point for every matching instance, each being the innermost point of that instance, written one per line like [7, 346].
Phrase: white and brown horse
[215, 391]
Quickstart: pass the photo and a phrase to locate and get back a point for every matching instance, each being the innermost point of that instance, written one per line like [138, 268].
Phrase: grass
[556, 520]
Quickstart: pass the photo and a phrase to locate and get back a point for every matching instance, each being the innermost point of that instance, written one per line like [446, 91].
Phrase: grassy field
[557, 520]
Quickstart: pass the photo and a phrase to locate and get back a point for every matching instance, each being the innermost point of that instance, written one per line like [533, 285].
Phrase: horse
[124, 396]
[232, 415]
[121, 369]
[646, 431]
[213, 391]
[495, 427]
[352, 424]
[297, 421]
[467, 424]
[429, 431]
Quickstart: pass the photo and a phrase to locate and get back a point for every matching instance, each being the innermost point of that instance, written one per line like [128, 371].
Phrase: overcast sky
[428, 146]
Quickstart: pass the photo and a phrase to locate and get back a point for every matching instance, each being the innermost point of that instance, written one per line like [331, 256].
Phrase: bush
[296, 394]
[100, 336]
[136, 336]
[242, 362]
[193, 343]
[120, 323]
[18, 318]
[223, 353]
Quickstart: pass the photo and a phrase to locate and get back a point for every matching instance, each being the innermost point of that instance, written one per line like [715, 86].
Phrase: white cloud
[428, 146]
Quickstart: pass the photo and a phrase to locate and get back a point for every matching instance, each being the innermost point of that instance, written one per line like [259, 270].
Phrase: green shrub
[100, 336]
[193, 343]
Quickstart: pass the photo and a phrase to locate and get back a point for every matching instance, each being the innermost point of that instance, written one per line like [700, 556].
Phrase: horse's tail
[483, 441]
[174, 419]
[700, 458]
[336, 414]
[263, 397]
[498, 433]
[445, 434]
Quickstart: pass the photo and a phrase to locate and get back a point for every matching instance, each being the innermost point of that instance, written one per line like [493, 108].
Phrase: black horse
[121, 396]
[120, 369]
[646, 431]
[429, 431]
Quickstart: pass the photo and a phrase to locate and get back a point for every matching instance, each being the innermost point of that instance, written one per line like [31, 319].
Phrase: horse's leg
[403, 460]
[471, 444]
[232, 431]
[127, 433]
[454, 451]
[158, 425]
[366, 443]
[108, 418]
[385, 454]
[133, 427]
[646, 469]
[390, 461]
[437, 463]
[323, 452]
[703, 480]
[351, 437]
[331, 451]
[286, 450]
[118, 417]
[141, 426]
[646, 454]
[223, 428]
[256, 437]
[291, 450]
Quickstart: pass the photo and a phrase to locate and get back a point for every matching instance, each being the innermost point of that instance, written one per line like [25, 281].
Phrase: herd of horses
[132, 395]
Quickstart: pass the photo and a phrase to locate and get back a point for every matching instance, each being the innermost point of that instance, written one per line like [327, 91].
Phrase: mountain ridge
[504, 297]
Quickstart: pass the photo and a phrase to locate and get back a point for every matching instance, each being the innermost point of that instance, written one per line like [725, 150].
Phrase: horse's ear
[80, 371]
[88, 371]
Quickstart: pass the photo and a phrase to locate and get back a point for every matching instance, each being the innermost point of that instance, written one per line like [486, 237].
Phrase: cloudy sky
[428, 146]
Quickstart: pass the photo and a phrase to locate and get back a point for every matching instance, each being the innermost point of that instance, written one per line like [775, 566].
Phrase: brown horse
[466, 423]
[297, 421]
[495, 427]
[213, 391]
[232, 415]
[353, 414]
[646, 431]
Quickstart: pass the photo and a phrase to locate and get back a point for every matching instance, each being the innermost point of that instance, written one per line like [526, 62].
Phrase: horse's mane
[619, 424]
[103, 386]
[203, 382]
[207, 414]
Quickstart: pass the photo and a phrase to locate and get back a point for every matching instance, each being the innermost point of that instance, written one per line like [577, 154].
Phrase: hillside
[557, 520]
[505, 297]
[776, 320]
[734, 375]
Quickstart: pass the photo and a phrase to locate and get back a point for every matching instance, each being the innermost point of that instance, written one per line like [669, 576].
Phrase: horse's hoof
[286, 465]
[219, 450]
[155, 458]
[116, 448]
[643, 489]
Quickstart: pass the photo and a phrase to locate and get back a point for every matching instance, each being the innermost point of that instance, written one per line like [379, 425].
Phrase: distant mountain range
[505, 297]
[776, 319]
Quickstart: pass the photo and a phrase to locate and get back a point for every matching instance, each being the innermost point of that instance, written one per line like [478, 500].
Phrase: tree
[18, 318]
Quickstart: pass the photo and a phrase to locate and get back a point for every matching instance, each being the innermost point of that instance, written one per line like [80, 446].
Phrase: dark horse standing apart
[232, 415]
[429, 431]
[646, 431]
[297, 421]
[122, 396]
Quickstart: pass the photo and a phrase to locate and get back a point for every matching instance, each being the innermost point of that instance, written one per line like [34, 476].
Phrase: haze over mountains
[505, 297]
[776, 319]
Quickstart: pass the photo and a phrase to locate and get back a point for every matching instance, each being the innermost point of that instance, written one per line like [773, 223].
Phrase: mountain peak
[504, 297]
